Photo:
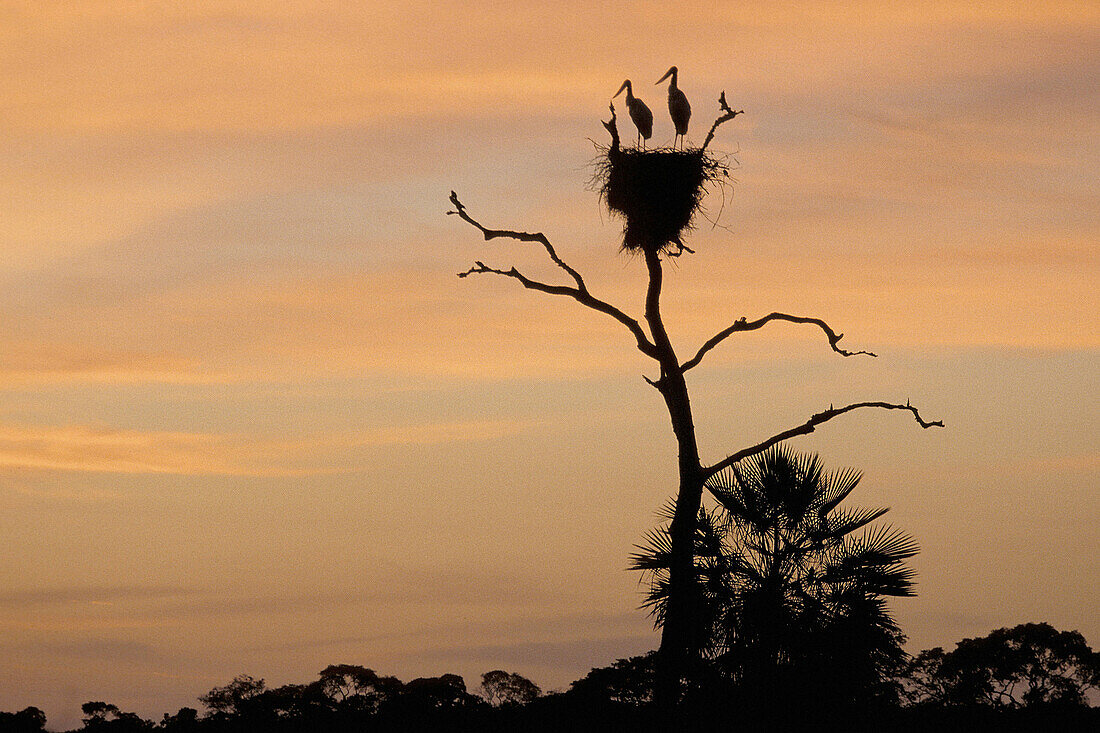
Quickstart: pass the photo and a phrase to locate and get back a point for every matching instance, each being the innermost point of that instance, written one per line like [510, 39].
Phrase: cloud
[568, 642]
[27, 362]
[1076, 463]
[99, 651]
[569, 654]
[308, 65]
[89, 594]
[84, 448]
[265, 194]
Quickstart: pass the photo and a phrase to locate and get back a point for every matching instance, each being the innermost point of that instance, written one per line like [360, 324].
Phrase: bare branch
[741, 325]
[539, 237]
[480, 268]
[729, 115]
[613, 128]
[579, 293]
[809, 426]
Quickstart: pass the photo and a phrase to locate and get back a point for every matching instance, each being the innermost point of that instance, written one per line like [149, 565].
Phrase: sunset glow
[250, 420]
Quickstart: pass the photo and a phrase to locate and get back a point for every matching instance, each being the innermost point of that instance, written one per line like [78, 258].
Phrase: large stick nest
[659, 193]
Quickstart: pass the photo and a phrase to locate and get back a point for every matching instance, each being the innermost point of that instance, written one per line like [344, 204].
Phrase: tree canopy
[1026, 665]
[508, 688]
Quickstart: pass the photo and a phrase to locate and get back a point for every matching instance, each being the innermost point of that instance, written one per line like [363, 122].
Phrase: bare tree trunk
[680, 618]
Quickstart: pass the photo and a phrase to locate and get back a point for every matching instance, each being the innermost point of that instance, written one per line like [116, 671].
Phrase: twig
[579, 293]
[809, 426]
[539, 237]
[613, 128]
[742, 324]
[729, 115]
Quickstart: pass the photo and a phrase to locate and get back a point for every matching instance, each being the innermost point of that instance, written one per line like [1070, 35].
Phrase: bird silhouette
[678, 106]
[639, 113]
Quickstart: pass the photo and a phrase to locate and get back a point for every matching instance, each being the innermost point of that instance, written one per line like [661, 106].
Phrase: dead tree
[658, 193]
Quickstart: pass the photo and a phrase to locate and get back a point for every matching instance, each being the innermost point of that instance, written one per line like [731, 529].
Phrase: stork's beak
[624, 86]
[668, 73]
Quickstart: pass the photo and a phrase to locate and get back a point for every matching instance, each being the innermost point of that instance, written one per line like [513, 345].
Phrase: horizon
[251, 422]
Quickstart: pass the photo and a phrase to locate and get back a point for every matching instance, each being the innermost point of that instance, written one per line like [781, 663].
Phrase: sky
[251, 422]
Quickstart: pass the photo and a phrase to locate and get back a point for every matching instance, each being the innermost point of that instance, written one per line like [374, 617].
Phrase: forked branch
[742, 324]
[729, 115]
[578, 293]
[809, 426]
[539, 237]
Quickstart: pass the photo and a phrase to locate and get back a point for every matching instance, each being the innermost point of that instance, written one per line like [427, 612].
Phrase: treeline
[1030, 677]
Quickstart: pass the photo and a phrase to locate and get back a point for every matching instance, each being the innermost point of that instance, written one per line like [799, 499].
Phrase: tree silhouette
[354, 688]
[231, 698]
[103, 716]
[659, 193]
[619, 697]
[27, 720]
[627, 681]
[446, 692]
[1026, 665]
[508, 688]
[923, 682]
[186, 720]
[792, 585]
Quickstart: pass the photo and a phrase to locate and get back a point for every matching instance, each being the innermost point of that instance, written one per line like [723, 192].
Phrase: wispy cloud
[225, 248]
[90, 594]
[86, 448]
[324, 64]
[569, 654]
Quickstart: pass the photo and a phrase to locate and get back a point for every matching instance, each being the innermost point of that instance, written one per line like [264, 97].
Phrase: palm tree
[791, 587]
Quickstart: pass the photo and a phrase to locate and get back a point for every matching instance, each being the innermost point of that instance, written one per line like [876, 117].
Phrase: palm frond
[738, 492]
[895, 580]
[843, 522]
[656, 602]
[808, 480]
[884, 545]
[667, 510]
[836, 488]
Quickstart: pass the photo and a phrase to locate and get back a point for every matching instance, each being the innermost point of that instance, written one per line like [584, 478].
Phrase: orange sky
[251, 422]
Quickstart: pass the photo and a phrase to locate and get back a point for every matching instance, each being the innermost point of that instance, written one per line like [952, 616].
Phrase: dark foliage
[1030, 665]
[507, 688]
[102, 716]
[619, 697]
[791, 588]
[27, 720]
[184, 721]
[626, 681]
[232, 698]
[967, 719]
[657, 192]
